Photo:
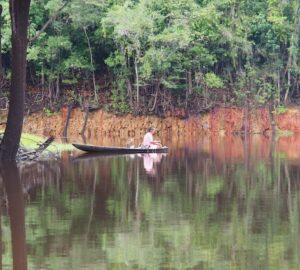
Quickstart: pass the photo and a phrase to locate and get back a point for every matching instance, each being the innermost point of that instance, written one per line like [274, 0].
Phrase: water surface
[207, 204]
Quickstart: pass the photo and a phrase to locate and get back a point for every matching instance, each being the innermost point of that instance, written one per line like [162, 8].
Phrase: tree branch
[51, 19]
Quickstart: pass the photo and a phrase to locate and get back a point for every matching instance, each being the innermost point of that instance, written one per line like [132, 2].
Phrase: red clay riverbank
[220, 121]
[206, 132]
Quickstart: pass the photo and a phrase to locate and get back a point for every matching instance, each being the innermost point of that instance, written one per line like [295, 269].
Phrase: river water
[207, 204]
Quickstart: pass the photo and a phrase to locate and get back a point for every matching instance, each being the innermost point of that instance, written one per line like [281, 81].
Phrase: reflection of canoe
[117, 150]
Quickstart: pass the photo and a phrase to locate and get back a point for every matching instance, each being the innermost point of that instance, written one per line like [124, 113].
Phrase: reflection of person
[149, 160]
[148, 141]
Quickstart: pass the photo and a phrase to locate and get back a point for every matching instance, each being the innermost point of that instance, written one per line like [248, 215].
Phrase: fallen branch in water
[30, 155]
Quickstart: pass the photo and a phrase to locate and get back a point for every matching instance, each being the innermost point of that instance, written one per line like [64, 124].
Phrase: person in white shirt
[148, 141]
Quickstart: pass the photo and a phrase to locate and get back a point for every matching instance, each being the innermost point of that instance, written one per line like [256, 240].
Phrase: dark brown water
[204, 205]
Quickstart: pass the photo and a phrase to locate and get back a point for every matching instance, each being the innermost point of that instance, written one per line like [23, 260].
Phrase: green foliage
[281, 109]
[250, 48]
[119, 100]
[116, 60]
[5, 28]
[48, 112]
[265, 91]
[213, 81]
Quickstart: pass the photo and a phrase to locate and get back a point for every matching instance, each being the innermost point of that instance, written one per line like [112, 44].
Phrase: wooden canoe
[117, 150]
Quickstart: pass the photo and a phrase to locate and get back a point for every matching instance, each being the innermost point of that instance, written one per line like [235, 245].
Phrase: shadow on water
[15, 202]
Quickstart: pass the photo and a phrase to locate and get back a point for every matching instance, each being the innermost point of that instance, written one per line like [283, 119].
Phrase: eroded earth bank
[220, 132]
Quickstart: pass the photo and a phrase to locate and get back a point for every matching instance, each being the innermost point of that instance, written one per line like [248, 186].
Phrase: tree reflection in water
[11, 179]
[230, 208]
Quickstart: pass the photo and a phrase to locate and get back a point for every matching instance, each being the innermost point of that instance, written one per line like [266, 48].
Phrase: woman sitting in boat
[149, 142]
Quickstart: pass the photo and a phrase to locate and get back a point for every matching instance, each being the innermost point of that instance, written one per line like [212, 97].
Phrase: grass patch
[31, 141]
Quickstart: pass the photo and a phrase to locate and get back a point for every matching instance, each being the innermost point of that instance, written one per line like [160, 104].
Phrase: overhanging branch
[51, 19]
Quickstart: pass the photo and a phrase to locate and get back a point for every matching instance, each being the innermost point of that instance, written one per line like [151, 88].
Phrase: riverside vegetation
[158, 57]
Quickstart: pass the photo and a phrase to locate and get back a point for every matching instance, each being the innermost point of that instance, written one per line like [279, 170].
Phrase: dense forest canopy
[155, 56]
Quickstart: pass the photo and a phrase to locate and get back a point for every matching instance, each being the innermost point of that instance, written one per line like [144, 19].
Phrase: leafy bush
[213, 81]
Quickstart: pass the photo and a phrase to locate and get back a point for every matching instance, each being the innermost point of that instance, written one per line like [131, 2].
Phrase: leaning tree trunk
[19, 11]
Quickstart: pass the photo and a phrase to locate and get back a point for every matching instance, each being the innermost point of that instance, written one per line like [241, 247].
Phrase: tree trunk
[92, 64]
[272, 118]
[288, 86]
[50, 90]
[129, 93]
[278, 88]
[57, 93]
[43, 81]
[246, 117]
[19, 12]
[156, 94]
[190, 82]
[1, 238]
[205, 97]
[86, 115]
[13, 187]
[137, 83]
[65, 132]
[292, 56]
[190, 87]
